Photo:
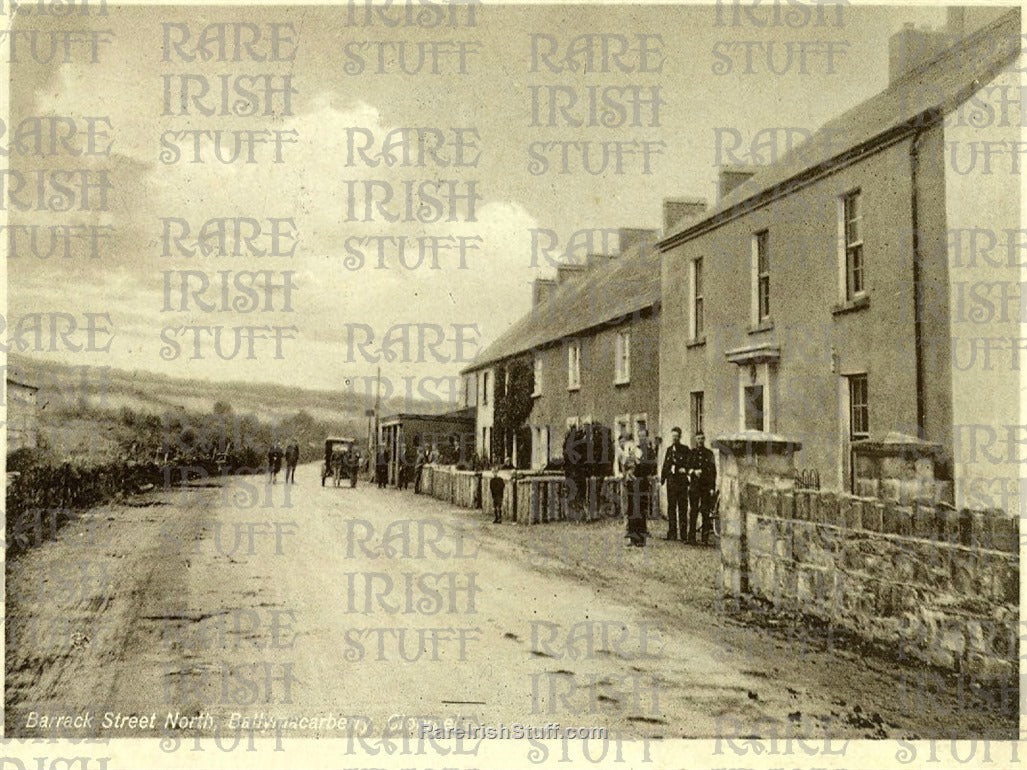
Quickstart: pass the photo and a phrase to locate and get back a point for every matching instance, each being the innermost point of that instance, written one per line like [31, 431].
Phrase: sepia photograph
[504, 385]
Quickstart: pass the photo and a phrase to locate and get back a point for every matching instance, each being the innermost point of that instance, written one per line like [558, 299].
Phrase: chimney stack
[629, 236]
[595, 260]
[541, 290]
[955, 21]
[676, 210]
[565, 272]
[911, 47]
[732, 177]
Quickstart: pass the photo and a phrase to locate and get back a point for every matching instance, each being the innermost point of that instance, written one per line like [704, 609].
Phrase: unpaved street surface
[378, 607]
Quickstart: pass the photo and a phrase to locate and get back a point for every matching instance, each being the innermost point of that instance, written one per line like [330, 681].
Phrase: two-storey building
[854, 289]
[591, 341]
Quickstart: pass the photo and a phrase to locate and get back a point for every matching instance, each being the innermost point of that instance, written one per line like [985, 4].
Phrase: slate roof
[602, 295]
[930, 90]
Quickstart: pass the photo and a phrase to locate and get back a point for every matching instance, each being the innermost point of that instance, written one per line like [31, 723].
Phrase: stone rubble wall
[939, 585]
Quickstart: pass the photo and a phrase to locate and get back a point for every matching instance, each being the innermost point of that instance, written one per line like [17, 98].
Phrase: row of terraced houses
[837, 298]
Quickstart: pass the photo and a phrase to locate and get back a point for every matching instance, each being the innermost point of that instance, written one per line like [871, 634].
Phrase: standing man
[419, 469]
[381, 468]
[702, 487]
[402, 469]
[292, 458]
[677, 462]
[497, 485]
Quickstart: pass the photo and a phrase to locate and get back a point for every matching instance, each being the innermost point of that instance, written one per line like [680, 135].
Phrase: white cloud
[309, 186]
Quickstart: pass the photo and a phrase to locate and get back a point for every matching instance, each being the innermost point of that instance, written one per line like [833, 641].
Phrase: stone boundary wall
[939, 585]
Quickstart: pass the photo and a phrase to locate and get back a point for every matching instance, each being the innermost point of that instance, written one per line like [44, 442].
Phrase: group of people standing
[690, 475]
[275, 455]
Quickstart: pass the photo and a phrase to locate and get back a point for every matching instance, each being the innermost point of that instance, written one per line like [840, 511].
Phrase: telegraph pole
[377, 407]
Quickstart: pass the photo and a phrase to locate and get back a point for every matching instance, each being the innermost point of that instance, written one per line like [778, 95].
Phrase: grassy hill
[92, 413]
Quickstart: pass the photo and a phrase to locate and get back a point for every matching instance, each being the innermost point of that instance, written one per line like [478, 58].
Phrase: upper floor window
[852, 231]
[697, 319]
[761, 283]
[536, 376]
[574, 365]
[622, 356]
[484, 388]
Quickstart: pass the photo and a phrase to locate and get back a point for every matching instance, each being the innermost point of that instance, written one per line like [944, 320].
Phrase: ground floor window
[859, 407]
[697, 412]
[641, 427]
[622, 427]
[755, 408]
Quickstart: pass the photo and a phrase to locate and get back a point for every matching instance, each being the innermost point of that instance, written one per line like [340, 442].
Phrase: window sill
[573, 387]
[536, 395]
[763, 326]
[697, 342]
[622, 382]
[852, 305]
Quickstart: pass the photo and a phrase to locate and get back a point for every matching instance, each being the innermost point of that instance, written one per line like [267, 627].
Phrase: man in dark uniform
[701, 488]
[675, 474]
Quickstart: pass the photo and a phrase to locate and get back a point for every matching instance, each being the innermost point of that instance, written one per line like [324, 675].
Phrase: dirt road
[313, 610]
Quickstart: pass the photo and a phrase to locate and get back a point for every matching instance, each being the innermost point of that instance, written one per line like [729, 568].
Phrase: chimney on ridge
[541, 290]
[732, 177]
[676, 210]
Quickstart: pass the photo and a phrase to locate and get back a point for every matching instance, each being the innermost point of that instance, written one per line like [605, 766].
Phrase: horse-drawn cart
[342, 460]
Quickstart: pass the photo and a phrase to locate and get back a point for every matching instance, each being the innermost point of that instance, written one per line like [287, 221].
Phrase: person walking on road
[677, 463]
[274, 461]
[702, 487]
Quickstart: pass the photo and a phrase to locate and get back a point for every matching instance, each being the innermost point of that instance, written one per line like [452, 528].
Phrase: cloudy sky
[704, 88]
